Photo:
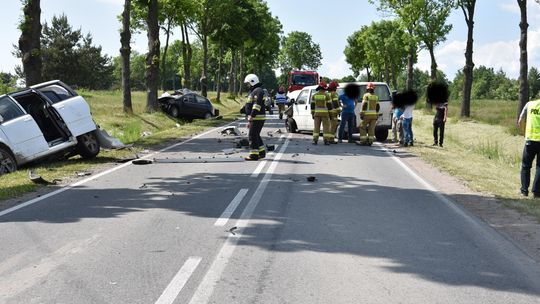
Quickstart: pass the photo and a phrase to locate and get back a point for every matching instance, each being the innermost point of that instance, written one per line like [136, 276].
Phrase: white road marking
[84, 181]
[180, 279]
[206, 288]
[224, 218]
[259, 168]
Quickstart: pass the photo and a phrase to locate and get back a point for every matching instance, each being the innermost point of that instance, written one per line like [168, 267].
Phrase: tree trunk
[152, 58]
[187, 54]
[29, 42]
[433, 75]
[125, 53]
[164, 58]
[394, 78]
[523, 61]
[468, 10]
[410, 64]
[218, 76]
[368, 74]
[241, 73]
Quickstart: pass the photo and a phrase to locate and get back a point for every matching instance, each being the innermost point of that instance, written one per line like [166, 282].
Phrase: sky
[496, 34]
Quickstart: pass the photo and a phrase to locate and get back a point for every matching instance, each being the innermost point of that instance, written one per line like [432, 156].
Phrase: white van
[300, 112]
[45, 119]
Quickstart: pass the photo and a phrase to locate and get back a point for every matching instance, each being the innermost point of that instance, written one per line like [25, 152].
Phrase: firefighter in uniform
[529, 119]
[256, 115]
[320, 111]
[281, 101]
[369, 114]
[334, 112]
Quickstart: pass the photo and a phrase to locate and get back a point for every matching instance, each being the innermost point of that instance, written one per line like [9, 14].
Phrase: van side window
[9, 109]
[302, 98]
[56, 93]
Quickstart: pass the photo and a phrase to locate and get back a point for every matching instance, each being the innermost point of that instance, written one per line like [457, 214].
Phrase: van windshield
[381, 90]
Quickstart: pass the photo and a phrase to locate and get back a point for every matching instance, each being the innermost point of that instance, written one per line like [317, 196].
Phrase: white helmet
[252, 79]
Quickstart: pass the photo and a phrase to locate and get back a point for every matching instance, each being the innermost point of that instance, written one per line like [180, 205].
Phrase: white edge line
[224, 218]
[204, 291]
[259, 168]
[179, 281]
[56, 192]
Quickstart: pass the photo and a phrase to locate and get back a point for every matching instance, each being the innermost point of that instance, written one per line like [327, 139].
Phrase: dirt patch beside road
[521, 229]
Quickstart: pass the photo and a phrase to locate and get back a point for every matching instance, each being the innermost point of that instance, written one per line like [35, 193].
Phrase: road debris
[232, 130]
[270, 147]
[108, 142]
[146, 134]
[270, 134]
[143, 186]
[219, 140]
[278, 131]
[232, 230]
[229, 151]
[243, 142]
[295, 155]
[141, 162]
[83, 173]
[198, 160]
[311, 178]
[127, 159]
[37, 179]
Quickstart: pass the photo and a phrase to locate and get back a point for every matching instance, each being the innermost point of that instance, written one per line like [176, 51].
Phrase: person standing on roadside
[397, 129]
[369, 114]
[348, 101]
[529, 119]
[406, 122]
[320, 111]
[281, 101]
[438, 94]
[334, 113]
[256, 115]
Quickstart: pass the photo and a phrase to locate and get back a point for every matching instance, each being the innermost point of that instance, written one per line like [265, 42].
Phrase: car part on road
[83, 173]
[232, 130]
[197, 160]
[243, 142]
[88, 145]
[8, 163]
[311, 178]
[270, 148]
[141, 162]
[108, 142]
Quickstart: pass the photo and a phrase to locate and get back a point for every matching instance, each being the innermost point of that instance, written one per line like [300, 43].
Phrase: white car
[44, 120]
[300, 112]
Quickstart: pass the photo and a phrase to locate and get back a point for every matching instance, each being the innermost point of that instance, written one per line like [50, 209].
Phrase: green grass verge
[486, 157]
[106, 107]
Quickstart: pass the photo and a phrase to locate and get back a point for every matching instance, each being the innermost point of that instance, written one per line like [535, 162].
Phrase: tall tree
[29, 41]
[152, 58]
[298, 51]
[534, 82]
[468, 6]
[355, 54]
[523, 61]
[125, 53]
[433, 29]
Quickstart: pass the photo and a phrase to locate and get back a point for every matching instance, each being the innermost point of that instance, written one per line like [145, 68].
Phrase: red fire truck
[300, 79]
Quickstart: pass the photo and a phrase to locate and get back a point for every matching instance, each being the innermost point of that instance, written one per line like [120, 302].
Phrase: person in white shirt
[406, 119]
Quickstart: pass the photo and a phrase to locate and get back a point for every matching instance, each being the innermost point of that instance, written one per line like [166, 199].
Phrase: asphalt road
[368, 230]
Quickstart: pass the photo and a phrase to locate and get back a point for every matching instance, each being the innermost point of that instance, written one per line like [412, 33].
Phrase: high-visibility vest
[369, 105]
[320, 104]
[334, 97]
[532, 130]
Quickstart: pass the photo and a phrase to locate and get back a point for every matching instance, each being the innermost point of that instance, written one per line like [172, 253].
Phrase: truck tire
[88, 145]
[290, 125]
[8, 163]
[381, 133]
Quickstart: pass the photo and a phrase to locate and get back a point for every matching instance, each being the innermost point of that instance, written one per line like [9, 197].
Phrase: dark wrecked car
[44, 120]
[187, 104]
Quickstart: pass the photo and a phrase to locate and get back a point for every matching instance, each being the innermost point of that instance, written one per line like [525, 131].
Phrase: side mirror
[1, 119]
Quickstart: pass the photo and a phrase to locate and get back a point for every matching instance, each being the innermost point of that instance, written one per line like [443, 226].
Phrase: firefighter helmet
[252, 79]
[332, 86]
[371, 86]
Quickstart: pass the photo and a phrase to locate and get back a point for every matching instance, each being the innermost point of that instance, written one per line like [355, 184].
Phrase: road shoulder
[521, 229]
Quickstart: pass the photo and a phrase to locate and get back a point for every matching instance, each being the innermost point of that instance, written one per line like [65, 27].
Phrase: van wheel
[8, 163]
[290, 126]
[381, 134]
[88, 145]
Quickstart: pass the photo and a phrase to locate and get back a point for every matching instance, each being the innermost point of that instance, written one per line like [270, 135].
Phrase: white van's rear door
[73, 109]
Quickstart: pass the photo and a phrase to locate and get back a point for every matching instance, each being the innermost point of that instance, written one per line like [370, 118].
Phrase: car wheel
[381, 134]
[8, 163]
[174, 111]
[88, 145]
[290, 126]
[207, 115]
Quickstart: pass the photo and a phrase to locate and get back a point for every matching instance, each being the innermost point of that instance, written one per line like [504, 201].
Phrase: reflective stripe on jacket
[370, 104]
[320, 104]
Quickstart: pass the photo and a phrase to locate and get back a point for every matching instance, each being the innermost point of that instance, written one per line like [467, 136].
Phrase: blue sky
[496, 30]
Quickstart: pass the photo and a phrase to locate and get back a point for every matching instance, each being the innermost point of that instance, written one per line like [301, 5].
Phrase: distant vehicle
[187, 104]
[299, 114]
[44, 120]
[297, 80]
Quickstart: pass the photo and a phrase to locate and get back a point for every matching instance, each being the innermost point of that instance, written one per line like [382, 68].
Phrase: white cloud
[113, 2]
[338, 68]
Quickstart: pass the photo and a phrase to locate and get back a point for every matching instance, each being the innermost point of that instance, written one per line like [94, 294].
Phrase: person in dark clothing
[439, 121]
[529, 121]
[255, 109]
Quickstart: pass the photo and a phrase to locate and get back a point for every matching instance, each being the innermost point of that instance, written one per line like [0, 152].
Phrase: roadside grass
[486, 157]
[142, 129]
